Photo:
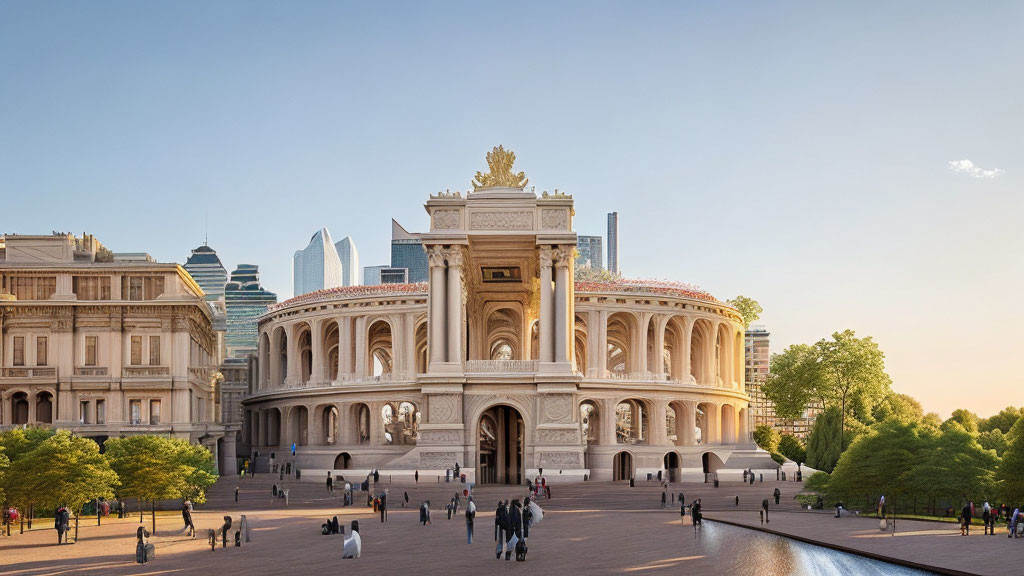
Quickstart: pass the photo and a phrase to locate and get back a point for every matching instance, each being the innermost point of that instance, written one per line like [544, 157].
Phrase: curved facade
[501, 363]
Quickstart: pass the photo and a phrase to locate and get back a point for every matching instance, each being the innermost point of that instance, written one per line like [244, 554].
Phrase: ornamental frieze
[559, 459]
[554, 219]
[501, 221]
[558, 408]
[446, 219]
[440, 436]
[438, 459]
[557, 437]
[443, 408]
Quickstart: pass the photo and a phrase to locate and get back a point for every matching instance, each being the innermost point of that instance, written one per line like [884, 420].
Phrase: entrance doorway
[500, 446]
[343, 461]
[671, 462]
[622, 466]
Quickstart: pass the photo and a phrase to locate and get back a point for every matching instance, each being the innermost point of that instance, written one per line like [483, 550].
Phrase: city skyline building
[245, 301]
[349, 257]
[591, 252]
[208, 271]
[757, 366]
[371, 274]
[316, 266]
[613, 242]
[407, 252]
[394, 275]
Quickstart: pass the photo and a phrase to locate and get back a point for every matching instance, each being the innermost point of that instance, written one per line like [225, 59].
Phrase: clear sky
[797, 153]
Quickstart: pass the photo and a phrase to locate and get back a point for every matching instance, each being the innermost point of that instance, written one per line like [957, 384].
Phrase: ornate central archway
[501, 446]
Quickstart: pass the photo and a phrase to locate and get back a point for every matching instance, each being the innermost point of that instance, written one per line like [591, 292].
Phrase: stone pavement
[595, 528]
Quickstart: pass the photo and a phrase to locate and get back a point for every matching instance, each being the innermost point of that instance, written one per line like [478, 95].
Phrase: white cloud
[968, 167]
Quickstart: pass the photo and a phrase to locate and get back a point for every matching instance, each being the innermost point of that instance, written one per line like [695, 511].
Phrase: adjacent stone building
[105, 346]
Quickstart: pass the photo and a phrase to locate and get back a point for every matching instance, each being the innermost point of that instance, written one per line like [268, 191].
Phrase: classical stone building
[105, 346]
[501, 362]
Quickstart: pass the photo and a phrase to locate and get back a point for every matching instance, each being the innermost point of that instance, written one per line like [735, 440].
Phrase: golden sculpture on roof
[499, 175]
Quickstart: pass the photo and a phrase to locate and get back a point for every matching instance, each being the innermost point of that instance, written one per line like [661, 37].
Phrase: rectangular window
[41, 351]
[134, 288]
[136, 350]
[154, 412]
[135, 410]
[91, 287]
[101, 412]
[90, 350]
[19, 350]
[83, 412]
[33, 287]
[154, 350]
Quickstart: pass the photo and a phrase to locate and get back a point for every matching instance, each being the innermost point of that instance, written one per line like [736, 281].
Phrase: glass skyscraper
[316, 266]
[613, 242]
[407, 252]
[245, 300]
[206, 269]
[349, 257]
[591, 252]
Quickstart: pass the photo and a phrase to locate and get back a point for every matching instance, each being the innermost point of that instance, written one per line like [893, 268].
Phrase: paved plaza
[598, 528]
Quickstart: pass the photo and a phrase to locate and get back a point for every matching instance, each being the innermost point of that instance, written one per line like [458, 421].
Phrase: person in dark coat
[777, 494]
[527, 517]
[764, 508]
[501, 525]
[58, 523]
[405, 495]
[965, 521]
[383, 507]
[186, 515]
[514, 532]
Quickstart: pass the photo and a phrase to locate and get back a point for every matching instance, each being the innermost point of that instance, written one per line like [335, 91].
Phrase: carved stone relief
[438, 459]
[557, 437]
[443, 408]
[558, 408]
[551, 219]
[441, 436]
[559, 459]
[446, 219]
[501, 221]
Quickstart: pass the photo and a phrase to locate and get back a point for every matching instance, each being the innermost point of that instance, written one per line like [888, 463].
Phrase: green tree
[156, 468]
[1010, 474]
[767, 438]
[4, 463]
[748, 308]
[932, 422]
[845, 372]
[967, 419]
[20, 441]
[952, 465]
[1002, 421]
[878, 462]
[64, 470]
[994, 440]
[898, 407]
[822, 445]
[791, 447]
[817, 482]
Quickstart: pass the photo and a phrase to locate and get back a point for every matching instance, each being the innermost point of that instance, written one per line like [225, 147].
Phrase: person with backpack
[470, 517]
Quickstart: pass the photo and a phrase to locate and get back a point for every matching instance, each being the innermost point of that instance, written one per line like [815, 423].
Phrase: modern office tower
[349, 257]
[105, 347]
[613, 242]
[394, 276]
[762, 410]
[591, 253]
[245, 301]
[317, 266]
[206, 269]
[407, 252]
[371, 274]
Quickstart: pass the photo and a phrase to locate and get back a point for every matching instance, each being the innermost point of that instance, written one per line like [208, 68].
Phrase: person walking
[527, 518]
[777, 495]
[682, 511]
[405, 499]
[186, 515]
[383, 507]
[416, 475]
[965, 520]
[58, 523]
[764, 508]
[470, 517]
[501, 524]
[353, 546]
[986, 514]
[515, 530]
[663, 499]
[236, 493]
[330, 483]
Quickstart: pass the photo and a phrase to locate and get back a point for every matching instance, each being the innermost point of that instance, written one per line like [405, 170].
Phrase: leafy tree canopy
[20, 441]
[965, 418]
[791, 447]
[767, 438]
[748, 308]
[158, 468]
[994, 440]
[1002, 421]
[898, 407]
[1010, 475]
[877, 462]
[62, 470]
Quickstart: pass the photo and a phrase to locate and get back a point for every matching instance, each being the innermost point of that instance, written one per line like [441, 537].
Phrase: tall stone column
[455, 304]
[607, 422]
[318, 371]
[602, 366]
[594, 351]
[363, 366]
[687, 347]
[345, 348]
[410, 344]
[643, 320]
[562, 305]
[294, 376]
[546, 330]
[656, 364]
[659, 416]
[437, 342]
